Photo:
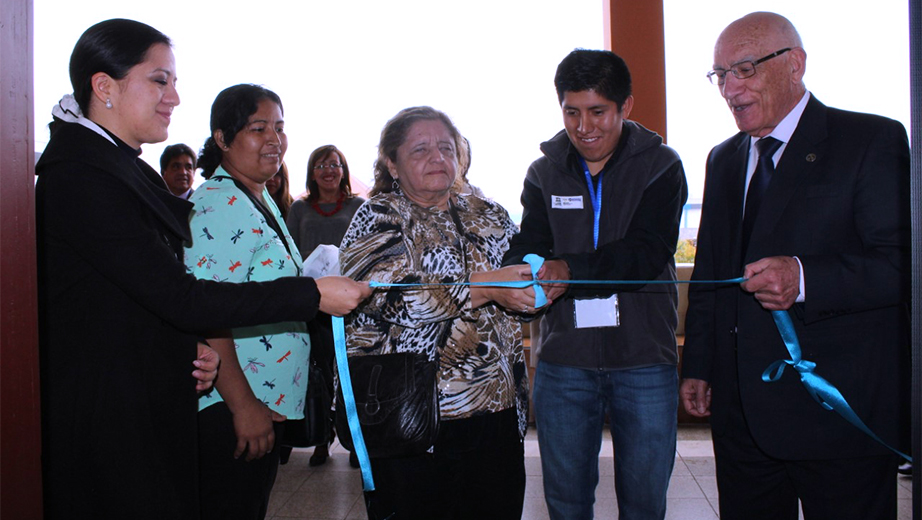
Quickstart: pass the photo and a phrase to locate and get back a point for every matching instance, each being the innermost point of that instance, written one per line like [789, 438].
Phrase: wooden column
[20, 422]
[634, 31]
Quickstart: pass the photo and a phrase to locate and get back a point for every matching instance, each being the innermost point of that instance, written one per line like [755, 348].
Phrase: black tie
[767, 147]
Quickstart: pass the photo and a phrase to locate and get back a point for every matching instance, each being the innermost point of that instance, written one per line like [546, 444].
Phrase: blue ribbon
[345, 383]
[339, 339]
[535, 262]
[824, 392]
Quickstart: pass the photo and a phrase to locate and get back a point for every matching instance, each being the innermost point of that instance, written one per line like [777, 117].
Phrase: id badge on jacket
[596, 312]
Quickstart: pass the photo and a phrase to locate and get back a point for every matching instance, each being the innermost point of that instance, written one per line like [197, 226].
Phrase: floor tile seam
[698, 483]
[714, 508]
[291, 495]
[358, 497]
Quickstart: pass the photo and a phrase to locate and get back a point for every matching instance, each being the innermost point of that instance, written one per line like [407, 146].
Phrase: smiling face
[142, 101]
[178, 174]
[256, 153]
[593, 124]
[329, 177]
[760, 102]
[426, 164]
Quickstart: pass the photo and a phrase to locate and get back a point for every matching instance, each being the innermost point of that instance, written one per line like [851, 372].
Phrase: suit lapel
[793, 170]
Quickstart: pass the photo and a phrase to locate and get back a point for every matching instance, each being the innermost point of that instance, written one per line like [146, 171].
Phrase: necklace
[339, 206]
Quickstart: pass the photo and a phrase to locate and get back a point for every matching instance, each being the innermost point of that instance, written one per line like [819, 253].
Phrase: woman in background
[322, 217]
[278, 189]
[323, 214]
[119, 316]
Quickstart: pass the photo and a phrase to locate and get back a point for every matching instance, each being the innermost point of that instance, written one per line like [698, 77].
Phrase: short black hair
[604, 72]
[113, 47]
[173, 151]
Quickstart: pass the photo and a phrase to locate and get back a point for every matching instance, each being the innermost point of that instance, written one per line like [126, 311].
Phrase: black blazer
[839, 201]
[119, 319]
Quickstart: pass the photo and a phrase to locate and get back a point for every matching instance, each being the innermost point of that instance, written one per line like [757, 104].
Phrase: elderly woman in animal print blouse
[415, 228]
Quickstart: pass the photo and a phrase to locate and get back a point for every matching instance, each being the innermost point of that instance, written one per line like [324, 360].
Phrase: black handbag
[396, 397]
[314, 429]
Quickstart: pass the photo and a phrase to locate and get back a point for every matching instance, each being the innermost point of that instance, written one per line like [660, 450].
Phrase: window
[857, 59]
[343, 69]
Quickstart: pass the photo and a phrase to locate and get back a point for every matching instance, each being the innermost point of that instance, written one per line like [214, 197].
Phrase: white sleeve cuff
[802, 296]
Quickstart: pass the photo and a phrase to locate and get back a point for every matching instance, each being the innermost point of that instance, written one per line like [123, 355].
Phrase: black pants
[476, 471]
[755, 486]
[323, 350]
[232, 489]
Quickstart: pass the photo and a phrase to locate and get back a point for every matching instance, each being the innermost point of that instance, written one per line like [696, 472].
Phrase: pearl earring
[108, 103]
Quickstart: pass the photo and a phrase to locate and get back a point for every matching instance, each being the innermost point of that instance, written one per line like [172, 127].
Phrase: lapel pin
[811, 157]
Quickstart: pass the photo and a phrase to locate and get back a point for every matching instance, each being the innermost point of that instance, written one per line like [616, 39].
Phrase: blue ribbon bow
[822, 391]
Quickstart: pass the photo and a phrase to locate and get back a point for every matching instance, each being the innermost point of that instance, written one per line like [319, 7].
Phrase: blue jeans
[570, 406]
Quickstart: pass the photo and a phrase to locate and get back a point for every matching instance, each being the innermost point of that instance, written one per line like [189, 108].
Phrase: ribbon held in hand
[536, 262]
[824, 392]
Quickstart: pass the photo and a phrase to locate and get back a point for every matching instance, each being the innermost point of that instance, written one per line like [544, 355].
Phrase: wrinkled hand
[516, 300]
[339, 295]
[554, 270]
[774, 280]
[253, 426]
[206, 367]
[695, 395]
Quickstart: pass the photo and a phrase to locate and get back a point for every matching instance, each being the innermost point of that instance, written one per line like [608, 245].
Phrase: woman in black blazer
[119, 315]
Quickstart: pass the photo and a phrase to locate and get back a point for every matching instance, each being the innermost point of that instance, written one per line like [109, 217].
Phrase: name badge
[560, 202]
[597, 312]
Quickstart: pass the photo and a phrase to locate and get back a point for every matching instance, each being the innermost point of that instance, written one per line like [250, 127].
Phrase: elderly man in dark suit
[819, 225]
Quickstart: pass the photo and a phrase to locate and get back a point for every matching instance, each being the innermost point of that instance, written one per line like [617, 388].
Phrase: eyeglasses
[333, 166]
[741, 70]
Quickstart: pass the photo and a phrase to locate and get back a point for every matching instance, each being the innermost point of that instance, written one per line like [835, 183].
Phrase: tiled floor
[334, 491]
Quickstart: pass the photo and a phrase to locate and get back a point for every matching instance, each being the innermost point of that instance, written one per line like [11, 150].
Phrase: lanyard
[596, 198]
